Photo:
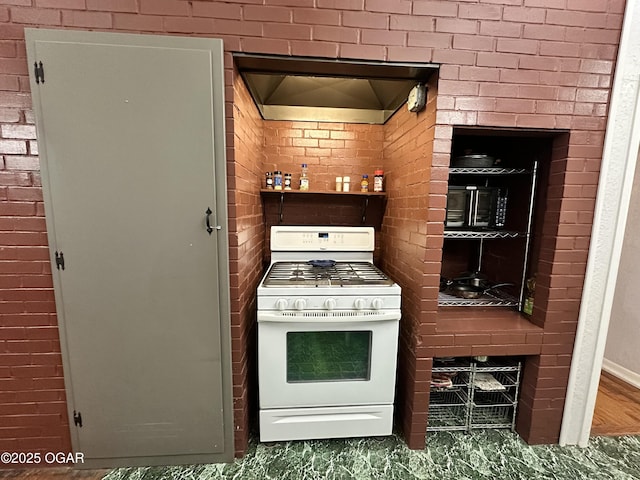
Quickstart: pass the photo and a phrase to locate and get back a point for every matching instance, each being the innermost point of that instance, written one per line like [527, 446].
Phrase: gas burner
[353, 279]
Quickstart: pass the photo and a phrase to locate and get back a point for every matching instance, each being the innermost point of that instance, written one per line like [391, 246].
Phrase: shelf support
[532, 196]
[365, 205]
[281, 207]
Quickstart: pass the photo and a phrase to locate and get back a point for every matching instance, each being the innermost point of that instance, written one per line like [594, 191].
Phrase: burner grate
[340, 274]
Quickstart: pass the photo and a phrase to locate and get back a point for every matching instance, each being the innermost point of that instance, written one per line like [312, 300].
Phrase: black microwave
[472, 206]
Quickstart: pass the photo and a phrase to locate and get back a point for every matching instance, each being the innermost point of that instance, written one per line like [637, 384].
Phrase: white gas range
[327, 336]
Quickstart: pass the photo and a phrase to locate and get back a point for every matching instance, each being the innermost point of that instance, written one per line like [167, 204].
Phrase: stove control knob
[359, 303]
[300, 303]
[281, 304]
[330, 303]
[377, 303]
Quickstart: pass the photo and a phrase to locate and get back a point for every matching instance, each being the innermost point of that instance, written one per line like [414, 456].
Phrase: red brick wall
[565, 234]
[505, 63]
[408, 158]
[244, 164]
[329, 149]
[33, 411]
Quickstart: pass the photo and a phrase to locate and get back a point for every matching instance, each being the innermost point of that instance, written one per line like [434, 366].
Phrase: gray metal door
[126, 136]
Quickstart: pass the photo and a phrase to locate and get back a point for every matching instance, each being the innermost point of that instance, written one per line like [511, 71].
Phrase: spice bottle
[378, 181]
[364, 183]
[338, 184]
[287, 181]
[268, 182]
[304, 179]
[277, 180]
[346, 183]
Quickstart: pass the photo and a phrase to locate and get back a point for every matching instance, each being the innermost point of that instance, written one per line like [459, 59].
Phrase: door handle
[208, 212]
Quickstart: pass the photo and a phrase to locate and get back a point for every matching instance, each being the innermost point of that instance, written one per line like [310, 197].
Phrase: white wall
[623, 341]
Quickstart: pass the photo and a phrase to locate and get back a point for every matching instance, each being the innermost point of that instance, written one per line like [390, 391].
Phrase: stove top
[330, 274]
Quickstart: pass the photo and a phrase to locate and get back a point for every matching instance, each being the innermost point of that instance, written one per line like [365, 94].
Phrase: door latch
[38, 72]
[208, 213]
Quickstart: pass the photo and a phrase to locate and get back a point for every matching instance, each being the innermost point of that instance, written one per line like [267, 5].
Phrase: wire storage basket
[480, 394]
[448, 417]
[449, 405]
[492, 416]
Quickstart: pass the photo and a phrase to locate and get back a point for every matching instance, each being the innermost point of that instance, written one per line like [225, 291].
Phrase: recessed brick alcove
[546, 338]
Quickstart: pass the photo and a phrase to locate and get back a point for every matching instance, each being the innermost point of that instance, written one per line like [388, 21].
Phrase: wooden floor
[617, 409]
[617, 412]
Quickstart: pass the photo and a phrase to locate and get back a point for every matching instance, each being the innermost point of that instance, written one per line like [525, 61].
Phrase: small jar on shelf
[277, 180]
[346, 184]
[364, 183]
[304, 178]
[378, 181]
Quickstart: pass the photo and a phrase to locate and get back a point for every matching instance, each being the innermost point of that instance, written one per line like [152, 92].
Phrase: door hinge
[77, 419]
[59, 260]
[38, 71]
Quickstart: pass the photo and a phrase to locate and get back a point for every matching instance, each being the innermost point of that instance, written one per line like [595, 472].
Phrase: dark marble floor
[480, 455]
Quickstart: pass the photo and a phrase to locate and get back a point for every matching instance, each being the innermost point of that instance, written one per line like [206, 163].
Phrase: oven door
[484, 207]
[312, 363]
[458, 206]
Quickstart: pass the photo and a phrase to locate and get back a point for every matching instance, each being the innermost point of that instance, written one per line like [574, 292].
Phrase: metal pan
[471, 291]
[322, 263]
[473, 160]
[475, 279]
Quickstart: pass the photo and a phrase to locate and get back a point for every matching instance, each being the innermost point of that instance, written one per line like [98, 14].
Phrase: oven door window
[328, 356]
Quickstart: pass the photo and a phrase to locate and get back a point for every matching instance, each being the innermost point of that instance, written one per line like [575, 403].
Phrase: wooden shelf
[364, 196]
[265, 191]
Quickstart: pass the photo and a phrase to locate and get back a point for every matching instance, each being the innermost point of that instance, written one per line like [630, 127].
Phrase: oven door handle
[473, 207]
[336, 316]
